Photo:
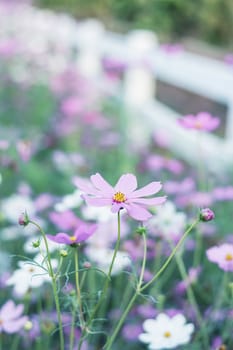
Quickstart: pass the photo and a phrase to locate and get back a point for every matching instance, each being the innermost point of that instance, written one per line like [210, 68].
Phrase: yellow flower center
[119, 197]
[167, 334]
[229, 257]
[198, 124]
[72, 238]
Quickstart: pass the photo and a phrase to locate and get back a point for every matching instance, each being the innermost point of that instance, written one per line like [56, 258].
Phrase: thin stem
[143, 261]
[198, 249]
[131, 302]
[54, 285]
[107, 280]
[72, 331]
[192, 299]
[78, 291]
[121, 321]
[164, 266]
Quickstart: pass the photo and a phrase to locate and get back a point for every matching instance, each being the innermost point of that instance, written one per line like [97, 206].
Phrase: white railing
[145, 62]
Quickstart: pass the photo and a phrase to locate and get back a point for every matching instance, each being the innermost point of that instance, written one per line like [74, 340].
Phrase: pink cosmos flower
[201, 121]
[99, 192]
[11, 319]
[222, 255]
[81, 234]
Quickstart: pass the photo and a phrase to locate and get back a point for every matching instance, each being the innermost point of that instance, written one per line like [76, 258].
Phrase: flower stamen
[73, 238]
[229, 257]
[119, 197]
[167, 334]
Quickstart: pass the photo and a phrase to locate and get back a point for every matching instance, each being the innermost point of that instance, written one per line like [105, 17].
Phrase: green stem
[121, 321]
[132, 300]
[164, 266]
[107, 280]
[54, 285]
[192, 299]
[143, 261]
[72, 331]
[198, 249]
[78, 291]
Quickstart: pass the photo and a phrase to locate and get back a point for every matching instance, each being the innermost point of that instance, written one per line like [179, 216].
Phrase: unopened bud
[63, 253]
[36, 244]
[28, 326]
[141, 230]
[23, 219]
[87, 264]
[206, 214]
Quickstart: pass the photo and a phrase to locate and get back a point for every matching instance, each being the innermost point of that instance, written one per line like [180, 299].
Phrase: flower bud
[87, 265]
[63, 253]
[206, 214]
[36, 244]
[141, 230]
[28, 326]
[23, 219]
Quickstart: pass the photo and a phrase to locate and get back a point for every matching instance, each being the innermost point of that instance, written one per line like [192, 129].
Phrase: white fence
[145, 62]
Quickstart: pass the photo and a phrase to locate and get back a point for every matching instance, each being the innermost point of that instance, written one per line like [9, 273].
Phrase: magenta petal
[137, 212]
[150, 201]
[102, 185]
[126, 184]
[61, 237]
[98, 202]
[85, 185]
[147, 190]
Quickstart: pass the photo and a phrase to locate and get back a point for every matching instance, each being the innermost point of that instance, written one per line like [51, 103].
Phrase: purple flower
[206, 214]
[11, 319]
[81, 234]
[99, 192]
[222, 255]
[65, 220]
[201, 121]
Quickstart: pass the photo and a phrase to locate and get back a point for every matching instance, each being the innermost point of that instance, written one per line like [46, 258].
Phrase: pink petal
[85, 185]
[61, 237]
[18, 310]
[137, 212]
[98, 202]
[126, 184]
[102, 185]
[147, 190]
[84, 232]
[7, 310]
[14, 326]
[116, 207]
[150, 201]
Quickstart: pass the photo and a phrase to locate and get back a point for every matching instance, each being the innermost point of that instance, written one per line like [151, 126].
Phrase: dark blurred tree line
[209, 20]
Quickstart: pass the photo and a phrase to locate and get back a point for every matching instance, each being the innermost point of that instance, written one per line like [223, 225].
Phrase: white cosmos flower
[15, 205]
[168, 222]
[29, 245]
[30, 275]
[100, 214]
[69, 201]
[102, 257]
[166, 332]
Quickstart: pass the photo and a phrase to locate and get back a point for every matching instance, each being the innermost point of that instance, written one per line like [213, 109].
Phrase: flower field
[103, 244]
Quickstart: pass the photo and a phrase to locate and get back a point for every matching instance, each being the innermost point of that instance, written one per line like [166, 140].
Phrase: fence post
[90, 34]
[139, 83]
